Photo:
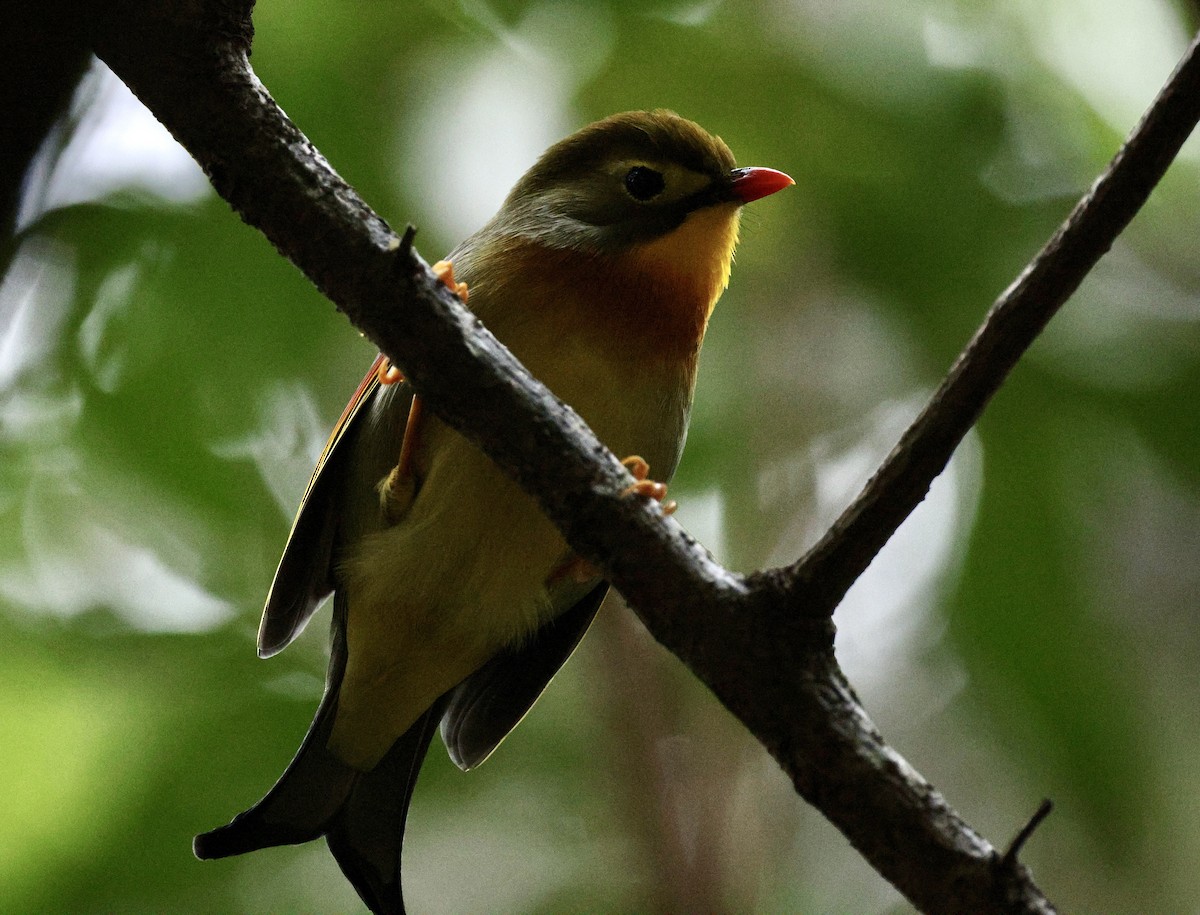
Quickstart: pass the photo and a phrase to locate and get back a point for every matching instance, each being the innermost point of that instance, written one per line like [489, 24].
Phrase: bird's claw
[388, 373]
[578, 570]
[444, 271]
[644, 486]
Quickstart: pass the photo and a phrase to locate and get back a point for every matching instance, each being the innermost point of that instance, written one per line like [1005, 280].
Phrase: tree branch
[764, 645]
[819, 580]
[44, 58]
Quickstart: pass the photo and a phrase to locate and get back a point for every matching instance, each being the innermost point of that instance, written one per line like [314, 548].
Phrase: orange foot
[578, 570]
[444, 271]
[646, 487]
[388, 373]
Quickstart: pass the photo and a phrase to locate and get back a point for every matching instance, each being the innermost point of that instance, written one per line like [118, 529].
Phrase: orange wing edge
[301, 579]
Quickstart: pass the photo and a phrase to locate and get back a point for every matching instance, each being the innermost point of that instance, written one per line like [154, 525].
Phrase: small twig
[1009, 858]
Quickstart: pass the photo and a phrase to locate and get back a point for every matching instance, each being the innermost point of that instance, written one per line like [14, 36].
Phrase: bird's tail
[299, 808]
[367, 834]
[361, 814]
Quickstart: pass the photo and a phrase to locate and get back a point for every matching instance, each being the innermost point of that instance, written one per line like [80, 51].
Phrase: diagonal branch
[819, 580]
[770, 665]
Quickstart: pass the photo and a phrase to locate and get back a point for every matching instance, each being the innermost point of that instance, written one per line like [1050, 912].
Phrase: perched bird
[455, 599]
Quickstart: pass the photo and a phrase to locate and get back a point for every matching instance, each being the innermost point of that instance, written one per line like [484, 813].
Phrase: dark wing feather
[311, 791]
[487, 705]
[303, 577]
[361, 814]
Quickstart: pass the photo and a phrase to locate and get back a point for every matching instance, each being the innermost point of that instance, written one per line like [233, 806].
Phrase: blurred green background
[166, 381]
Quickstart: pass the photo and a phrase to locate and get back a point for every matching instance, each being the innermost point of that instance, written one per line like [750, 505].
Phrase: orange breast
[650, 303]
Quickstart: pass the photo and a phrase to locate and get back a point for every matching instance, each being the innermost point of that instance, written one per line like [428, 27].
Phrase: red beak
[752, 183]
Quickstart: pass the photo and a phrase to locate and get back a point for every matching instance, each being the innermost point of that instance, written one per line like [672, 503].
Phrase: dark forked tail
[361, 814]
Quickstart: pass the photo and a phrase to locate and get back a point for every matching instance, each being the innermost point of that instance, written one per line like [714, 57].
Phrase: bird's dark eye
[643, 183]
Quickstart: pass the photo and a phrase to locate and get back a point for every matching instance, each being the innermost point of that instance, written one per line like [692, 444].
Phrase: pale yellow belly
[464, 573]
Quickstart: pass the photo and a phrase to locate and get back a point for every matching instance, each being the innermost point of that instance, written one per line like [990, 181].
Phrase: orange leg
[399, 489]
[444, 271]
[411, 432]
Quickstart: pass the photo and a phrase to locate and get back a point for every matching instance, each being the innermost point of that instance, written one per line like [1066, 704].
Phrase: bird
[455, 599]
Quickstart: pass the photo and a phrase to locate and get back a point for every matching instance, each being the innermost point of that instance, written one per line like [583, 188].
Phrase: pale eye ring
[644, 183]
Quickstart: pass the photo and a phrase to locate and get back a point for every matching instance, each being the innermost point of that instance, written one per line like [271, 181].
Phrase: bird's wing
[485, 707]
[303, 577]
